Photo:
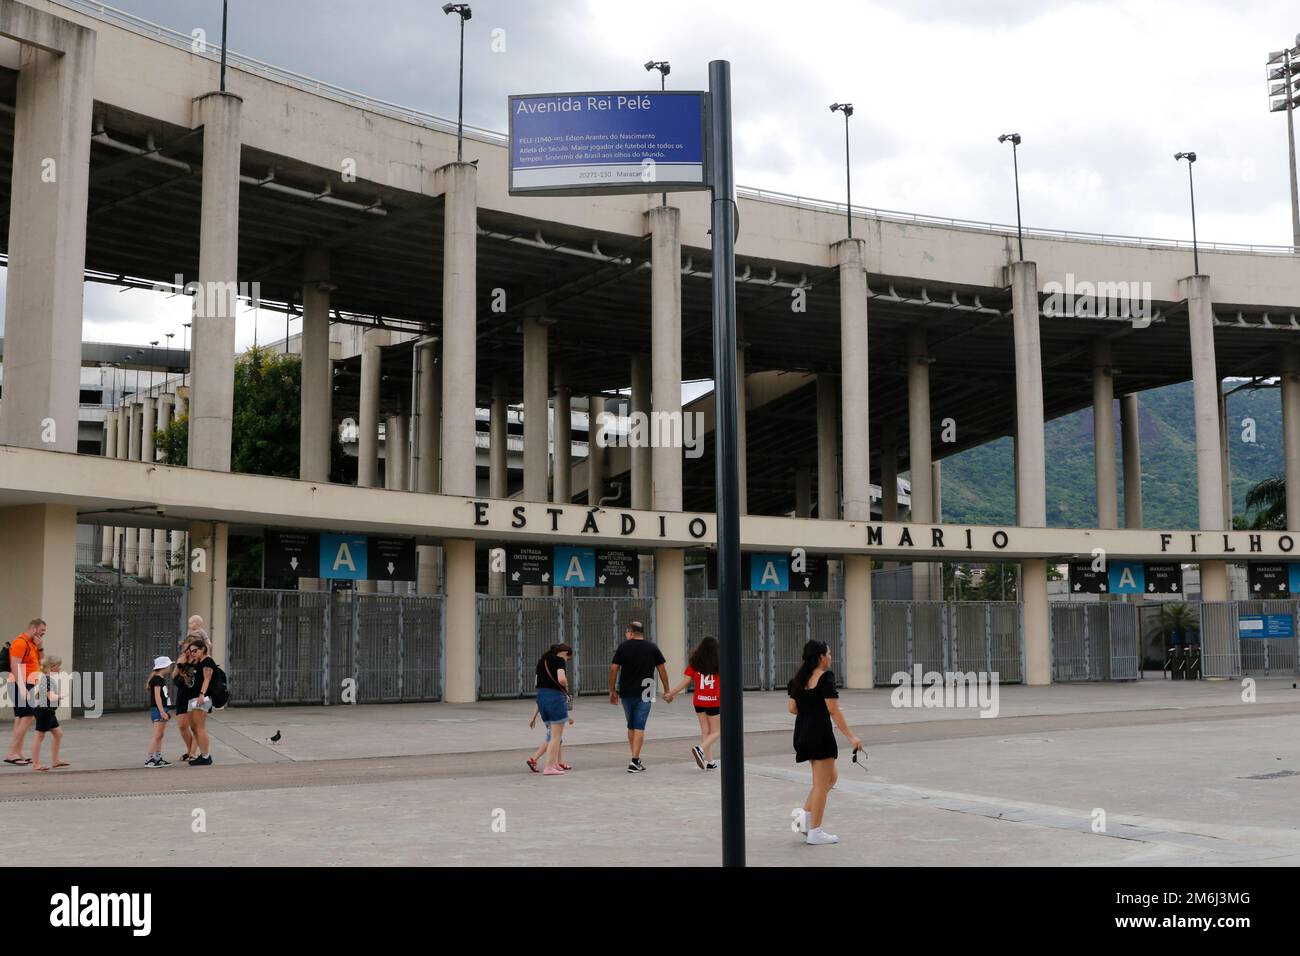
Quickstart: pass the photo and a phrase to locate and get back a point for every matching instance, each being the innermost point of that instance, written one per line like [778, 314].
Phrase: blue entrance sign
[1265, 625]
[1127, 577]
[344, 556]
[582, 143]
[574, 567]
[769, 572]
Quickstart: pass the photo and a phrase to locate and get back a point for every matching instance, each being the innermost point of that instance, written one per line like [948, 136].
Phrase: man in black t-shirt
[631, 679]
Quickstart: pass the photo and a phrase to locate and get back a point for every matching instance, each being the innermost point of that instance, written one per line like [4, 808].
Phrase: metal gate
[311, 647]
[966, 636]
[1272, 655]
[1094, 641]
[773, 634]
[119, 630]
[1220, 645]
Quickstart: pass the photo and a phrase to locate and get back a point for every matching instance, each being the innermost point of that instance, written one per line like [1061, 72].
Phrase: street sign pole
[727, 457]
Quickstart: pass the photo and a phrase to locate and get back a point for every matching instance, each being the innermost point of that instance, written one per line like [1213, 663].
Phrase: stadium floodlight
[1015, 166]
[1191, 188]
[464, 12]
[847, 110]
[1283, 72]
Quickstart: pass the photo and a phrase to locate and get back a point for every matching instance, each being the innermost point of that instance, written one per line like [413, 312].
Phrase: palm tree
[1175, 617]
[1267, 501]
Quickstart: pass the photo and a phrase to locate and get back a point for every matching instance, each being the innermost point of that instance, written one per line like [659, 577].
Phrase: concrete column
[38, 573]
[131, 550]
[498, 443]
[123, 416]
[919, 453]
[888, 473]
[316, 428]
[164, 419]
[666, 348]
[1225, 432]
[595, 451]
[742, 401]
[47, 240]
[1132, 450]
[1209, 451]
[213, 355]
[828, 441]
[536, 410]
[459, 331]
[1291, 433]
[207, 595]
[428, 472]
[110, 451]
[176, 546]
[368, 417]
[858, 667]
[936, 489]
[803, 490]
[562, 480]
[461, 674]
[642, 477]
[1103, 435]
[396, 436]
[670, 606]
[144, 563]
[1031, 479]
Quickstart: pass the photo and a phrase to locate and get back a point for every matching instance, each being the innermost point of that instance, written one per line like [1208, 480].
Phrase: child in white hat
[159, 711]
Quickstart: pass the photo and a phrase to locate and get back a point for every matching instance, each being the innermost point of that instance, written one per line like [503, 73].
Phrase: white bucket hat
[160, 662]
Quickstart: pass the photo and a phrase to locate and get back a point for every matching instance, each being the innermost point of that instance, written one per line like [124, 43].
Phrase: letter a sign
[575, 567]
[344, 557]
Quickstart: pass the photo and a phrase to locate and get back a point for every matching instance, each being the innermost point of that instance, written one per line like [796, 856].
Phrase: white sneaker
[820, 837]
[800, 819]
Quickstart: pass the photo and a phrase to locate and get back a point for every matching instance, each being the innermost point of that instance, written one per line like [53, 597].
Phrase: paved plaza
[1186, 773]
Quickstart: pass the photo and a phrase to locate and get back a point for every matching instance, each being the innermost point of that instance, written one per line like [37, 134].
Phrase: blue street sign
[769, 572]
[583, 143]
[574, 567]
[1265, 625]
[344, 556]
[1127, 577]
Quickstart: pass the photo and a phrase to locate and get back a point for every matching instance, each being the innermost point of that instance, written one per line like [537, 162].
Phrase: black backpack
[4, 657]
[219, 688]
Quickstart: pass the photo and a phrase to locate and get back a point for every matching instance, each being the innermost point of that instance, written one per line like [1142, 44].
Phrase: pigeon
[276, 738]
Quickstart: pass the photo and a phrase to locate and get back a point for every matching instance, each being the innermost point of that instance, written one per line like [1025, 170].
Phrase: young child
[541, 751]
[159, 710]
[47, 702]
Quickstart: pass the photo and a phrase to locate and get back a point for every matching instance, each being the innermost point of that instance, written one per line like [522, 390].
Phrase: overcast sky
[1103, 93]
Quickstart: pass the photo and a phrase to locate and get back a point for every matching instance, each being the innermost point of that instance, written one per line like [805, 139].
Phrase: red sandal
[532, 765]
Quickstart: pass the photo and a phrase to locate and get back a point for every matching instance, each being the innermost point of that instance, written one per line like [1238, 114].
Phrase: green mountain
[978, 484]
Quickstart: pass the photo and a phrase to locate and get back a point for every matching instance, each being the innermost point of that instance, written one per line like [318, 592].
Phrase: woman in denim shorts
[553, 700]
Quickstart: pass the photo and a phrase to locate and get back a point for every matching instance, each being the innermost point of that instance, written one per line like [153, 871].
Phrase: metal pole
[663, 85]
[224, 11]
[727, 460]
[1290, 143]
[848, 178]
[1191, 187]
[1015, 165]
[460, 99]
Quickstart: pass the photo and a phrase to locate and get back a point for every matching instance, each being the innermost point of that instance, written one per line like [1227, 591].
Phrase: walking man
[632, 680]
[24, 671]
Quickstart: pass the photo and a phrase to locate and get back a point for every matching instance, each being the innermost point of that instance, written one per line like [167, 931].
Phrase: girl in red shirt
[703, 672]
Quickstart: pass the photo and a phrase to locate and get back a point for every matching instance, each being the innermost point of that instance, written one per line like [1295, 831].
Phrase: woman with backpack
[205, 672]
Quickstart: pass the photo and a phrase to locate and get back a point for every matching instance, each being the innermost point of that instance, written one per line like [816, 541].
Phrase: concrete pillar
[461, 665]
[562, 480]
[47, 240]
[213, 355]
[595, 450]
[670, 606]
[1103, 435]
[803, 490]
[642, 477]
[536, 410]
[459, 331]
[316, 428]
[666, 349]
[858, 668]
[165, 407]
[1031, 476]
[428, 470]
[368, 417]
[1132, 450]
[936, 489]
[396, 435]
[110, 451]
[888, 473]
[38, 568]
[207, 595]
[131, 550]
[828, 440]
[498, 443]
[919, 453]
[1291, 433]
[1225, 468]
[1209, 452]
[144, 563]
[123, 416]
[742, 401]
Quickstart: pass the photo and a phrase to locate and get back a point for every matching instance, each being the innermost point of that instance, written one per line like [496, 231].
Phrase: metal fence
[312, 647]
[118, 631]
[1272, 655]
[1094, 641]
[773, 632]
[947, 636]
[1220, 644]
[513, 633]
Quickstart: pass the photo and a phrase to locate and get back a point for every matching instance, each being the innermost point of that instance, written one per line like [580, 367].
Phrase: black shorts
[45, 720]
[708, 711]
[182, 706]
[22, 700]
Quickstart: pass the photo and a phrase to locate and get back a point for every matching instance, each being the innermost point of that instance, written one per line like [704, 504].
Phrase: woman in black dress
[815, 703]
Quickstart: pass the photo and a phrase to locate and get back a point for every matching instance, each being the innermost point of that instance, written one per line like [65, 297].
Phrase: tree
[264, 441]
[1265, 505]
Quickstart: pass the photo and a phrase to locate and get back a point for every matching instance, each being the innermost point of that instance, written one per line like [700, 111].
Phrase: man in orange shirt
[24, 672]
